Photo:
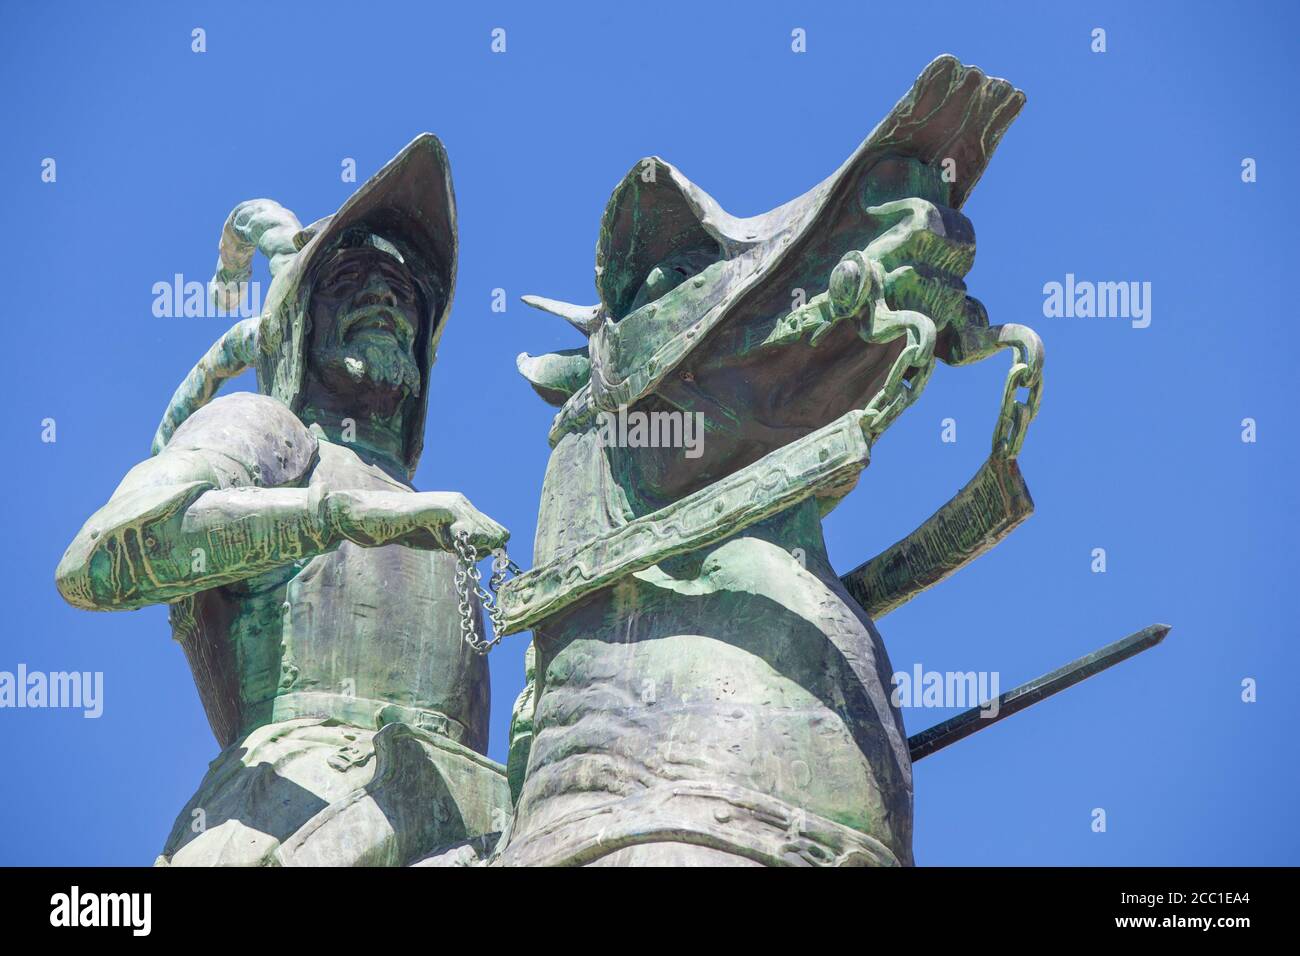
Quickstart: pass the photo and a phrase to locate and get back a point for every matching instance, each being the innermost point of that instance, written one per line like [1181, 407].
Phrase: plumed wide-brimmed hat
[952, 117]
[407, 209]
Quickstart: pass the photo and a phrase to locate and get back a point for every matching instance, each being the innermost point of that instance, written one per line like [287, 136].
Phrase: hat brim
[952, 112]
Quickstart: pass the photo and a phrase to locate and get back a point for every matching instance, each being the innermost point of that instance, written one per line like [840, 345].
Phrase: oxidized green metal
[706, 690]
[277, 526]
[818, 464]
[986, 510]
[702, 687]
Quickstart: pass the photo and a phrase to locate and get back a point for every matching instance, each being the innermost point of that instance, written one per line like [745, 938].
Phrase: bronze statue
[309, 584]
[702, 687]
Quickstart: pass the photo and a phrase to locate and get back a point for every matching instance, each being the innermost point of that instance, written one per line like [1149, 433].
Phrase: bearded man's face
[365, 312]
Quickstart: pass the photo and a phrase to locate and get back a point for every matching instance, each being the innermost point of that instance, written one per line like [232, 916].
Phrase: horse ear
[556, 375]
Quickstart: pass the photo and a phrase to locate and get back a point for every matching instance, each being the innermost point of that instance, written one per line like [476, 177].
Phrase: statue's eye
[342, 282]
[400, 284]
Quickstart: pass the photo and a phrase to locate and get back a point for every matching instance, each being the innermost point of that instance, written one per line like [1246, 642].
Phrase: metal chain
[857, 286]
[899, 392]
[1014, 415]
[469, 586]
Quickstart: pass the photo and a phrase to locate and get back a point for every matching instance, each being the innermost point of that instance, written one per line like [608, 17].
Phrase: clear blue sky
[1123, 166]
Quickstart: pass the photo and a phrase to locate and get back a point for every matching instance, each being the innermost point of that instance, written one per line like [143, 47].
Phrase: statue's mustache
[381, 317]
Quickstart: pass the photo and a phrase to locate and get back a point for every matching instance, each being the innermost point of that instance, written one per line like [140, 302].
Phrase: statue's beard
[375, 374]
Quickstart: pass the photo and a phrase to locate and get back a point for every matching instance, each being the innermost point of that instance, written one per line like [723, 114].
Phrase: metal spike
[1014, 701]
[584, 318]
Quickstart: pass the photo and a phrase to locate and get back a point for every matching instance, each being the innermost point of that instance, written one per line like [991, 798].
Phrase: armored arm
[200, 514]
[229, 499]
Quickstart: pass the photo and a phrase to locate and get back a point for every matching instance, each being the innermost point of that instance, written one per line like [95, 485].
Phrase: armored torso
[733, 698]
[366, 636]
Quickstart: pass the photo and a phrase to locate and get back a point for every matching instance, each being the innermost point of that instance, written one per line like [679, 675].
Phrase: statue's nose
[377, 292]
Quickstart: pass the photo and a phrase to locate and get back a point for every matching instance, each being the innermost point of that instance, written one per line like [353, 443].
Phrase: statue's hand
[924, 252]
[429, 520]
[915, 264]
[484, 533]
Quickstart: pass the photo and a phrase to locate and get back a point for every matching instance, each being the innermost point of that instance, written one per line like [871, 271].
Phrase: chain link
[899, 392]
[469, 586]
[857, 289]
[1014, 415]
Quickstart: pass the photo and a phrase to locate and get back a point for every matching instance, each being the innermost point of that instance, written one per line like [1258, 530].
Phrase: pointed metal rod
[1013, 701]
[584, 318]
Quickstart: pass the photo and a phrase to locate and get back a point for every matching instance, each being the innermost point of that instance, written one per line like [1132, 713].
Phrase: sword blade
[1013, 701]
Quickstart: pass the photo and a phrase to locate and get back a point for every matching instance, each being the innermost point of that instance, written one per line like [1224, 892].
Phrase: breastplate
[366, 636]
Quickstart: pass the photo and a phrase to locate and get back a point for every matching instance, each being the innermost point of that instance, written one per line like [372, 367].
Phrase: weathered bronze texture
[279, 526]
[702, 687]
[706, 689]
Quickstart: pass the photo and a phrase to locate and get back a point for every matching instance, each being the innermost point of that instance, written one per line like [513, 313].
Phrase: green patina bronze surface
[706, 689]
[279, 526]
[986, 510]
[702, 687]
[822, 463]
